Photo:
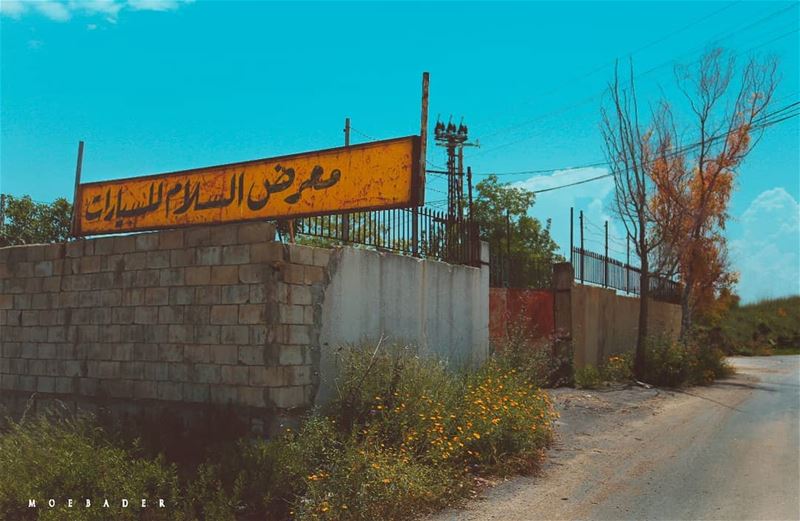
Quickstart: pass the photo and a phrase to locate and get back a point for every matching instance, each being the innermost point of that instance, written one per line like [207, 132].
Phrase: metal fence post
[78, 167]
[582, 252]
[605, 261]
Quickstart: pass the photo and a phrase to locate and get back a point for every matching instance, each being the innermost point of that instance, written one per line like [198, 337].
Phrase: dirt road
[729, 451]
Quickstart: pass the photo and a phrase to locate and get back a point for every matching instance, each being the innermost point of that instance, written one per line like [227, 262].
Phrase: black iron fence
[594, 268]
[421, 232]
[517, 270]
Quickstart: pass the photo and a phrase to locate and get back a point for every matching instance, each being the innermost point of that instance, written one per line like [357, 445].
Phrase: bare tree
[728, 111]
[632, 150]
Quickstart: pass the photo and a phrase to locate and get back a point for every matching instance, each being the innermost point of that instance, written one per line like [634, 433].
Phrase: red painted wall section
[531, 308]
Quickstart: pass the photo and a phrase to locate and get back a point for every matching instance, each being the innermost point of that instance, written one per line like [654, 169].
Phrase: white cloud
[767, 254]
[64, 10]
[594, 198]
[12, 8]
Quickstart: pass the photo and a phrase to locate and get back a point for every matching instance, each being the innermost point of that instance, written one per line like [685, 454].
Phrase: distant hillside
[763, 327]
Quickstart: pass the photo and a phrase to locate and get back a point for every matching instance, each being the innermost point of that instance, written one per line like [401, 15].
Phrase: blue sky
[155, 86]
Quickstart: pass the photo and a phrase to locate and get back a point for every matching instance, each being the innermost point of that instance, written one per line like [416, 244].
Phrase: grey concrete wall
[604, 323]
[440, 308]
[216, 315]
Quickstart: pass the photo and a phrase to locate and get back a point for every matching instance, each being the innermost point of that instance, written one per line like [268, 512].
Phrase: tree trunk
[686, 310]
[640, 361]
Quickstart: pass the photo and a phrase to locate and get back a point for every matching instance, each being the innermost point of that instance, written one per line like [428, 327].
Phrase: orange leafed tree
[694, 182]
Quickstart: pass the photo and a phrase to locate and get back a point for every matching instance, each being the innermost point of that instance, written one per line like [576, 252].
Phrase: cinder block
[181, 296]
[299, 254]
[122, 351]
[156, 296]
[145, 390]
[155, 334]
[288, 397]
[263, 376]
[194, 392]
[314, 274]
[224, 314]
[289, 314]
[300, 375]
[147, 278]
[266, 252]
[170, 391]
[198, 237]
[133, 297]
[111, 297]
[196, 353]
[252, 396]
[122, 315]
[206, 334]
[132, 370]
[133, 261]
[181, 334]
[91, 264]
[207, 295]
[322, 257]
[45, 384]
[238, 254]
[172, 277]
[234, 334]
[178, 372]
[43, 269]
[148, 352]
[224, 354]
[197, 315]
[170, 315]
[298, 335]
[146, 241]
[293, 273]
[234, 374]
[290, 355]
[252, 313]
[208, 256]
[30, 318]
[72, 368]
[256, 233]
[236, 294]
[110, 333]
[182, 258]
[146, 315]
[251, 355]
[207, 373]
[259, 335]
[253, 273]
[170, 352]
[158, 259]
[258, 294]
[87, 386]
[170, 240]
[224, 394]
[224, 275]
[224, 235]
[125, 244]
[300, 295]
[156, 371]
[197, 275]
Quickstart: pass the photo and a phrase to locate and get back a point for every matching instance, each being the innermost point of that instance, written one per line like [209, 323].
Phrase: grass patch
[403, 437]
[766, 327]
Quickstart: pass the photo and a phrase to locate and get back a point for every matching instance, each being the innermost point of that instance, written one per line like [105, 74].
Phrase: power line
[588, 99]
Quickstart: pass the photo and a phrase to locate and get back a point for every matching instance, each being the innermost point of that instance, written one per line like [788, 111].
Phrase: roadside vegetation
[404, 436]
[766, 327]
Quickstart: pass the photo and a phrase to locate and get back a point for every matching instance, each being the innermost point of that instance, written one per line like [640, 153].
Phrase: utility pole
[605, 261]
[582, 252]
[346, 216]
[454, 139]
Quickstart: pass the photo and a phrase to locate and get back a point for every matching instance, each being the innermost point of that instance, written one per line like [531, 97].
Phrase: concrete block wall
[218, 315]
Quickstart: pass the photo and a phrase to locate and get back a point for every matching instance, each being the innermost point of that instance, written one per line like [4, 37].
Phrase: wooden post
[346, 216]
[79, 166]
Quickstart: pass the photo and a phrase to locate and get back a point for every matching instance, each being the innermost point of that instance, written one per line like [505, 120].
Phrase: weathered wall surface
[440, 308]
[215, 315]
[530, 309]
[604, 323]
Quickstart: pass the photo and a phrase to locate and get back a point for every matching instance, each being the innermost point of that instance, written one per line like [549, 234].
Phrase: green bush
[547, 361]
[588, 377]
[618, 368]
[672, 364]
[55, 456]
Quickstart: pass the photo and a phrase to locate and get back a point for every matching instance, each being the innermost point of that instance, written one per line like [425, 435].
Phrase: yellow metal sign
[381, 174]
